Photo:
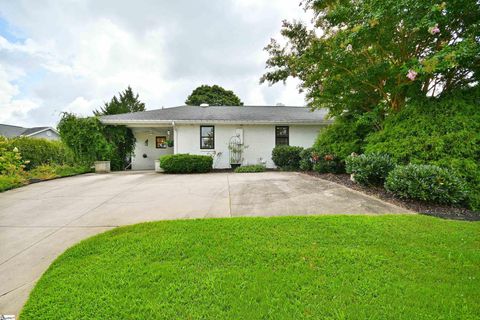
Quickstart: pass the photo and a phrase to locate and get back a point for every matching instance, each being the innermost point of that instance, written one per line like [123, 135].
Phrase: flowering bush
[11, 162]
[328, 163]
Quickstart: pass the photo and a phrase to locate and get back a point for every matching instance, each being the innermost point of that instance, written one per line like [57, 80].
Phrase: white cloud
[74, 55]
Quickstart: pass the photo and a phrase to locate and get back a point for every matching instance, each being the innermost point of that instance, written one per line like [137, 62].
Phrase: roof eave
[40, 131]
[169, 122]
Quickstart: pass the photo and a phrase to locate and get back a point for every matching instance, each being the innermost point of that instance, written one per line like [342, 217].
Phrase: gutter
[172, 122]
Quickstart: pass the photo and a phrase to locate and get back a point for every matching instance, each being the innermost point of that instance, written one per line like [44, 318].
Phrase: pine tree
[126, 102]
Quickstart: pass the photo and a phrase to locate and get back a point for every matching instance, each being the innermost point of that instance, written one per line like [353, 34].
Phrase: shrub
[369, 169]
[10, 182]
[344, 136]
[438, 131]
[45, 172]
[252, 168]
[328, 164]
[307, 159]
[42, 152]
[11, 162]
[287, 157]
[186, 163]
[67, 171]
[427, 183]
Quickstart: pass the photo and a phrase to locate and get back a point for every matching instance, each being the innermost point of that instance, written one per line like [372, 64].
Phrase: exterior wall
[260, 140]
[139, 162]
[48, 134]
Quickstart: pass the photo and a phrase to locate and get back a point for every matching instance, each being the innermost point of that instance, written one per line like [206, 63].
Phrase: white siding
[47, 134]
[151, 152]
[260, 140]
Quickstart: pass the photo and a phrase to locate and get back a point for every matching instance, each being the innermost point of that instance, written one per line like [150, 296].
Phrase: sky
[74, 55]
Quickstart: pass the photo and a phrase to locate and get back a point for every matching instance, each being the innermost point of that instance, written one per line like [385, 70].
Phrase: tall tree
[363, 56]
[214, 96]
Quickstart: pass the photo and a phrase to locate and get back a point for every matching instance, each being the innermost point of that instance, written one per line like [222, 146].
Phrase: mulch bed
[441, 211]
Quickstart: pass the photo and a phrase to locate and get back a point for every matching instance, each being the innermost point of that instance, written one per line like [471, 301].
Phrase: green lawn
[328, 267]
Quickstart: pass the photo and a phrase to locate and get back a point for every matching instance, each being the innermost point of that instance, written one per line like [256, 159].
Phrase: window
[207, 137]
[161, 142]
[281, 135]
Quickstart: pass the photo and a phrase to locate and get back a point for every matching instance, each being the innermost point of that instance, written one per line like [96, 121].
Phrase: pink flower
[435, 29]
[412, 74]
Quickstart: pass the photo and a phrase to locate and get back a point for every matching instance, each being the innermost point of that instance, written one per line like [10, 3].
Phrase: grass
[328, 267]
[250, 168]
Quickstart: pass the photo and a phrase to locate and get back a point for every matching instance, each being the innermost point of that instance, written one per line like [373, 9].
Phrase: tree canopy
[126, 102]
[214, 96]
[363, 56]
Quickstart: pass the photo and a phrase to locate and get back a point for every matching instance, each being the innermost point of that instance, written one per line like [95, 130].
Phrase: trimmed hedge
[287, 157]
[251, 168]
[36, 152]
[427, 183]
[186, 163]
[370, 169]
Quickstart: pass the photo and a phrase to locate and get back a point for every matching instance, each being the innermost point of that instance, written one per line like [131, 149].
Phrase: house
[10, 131]
[210, 130]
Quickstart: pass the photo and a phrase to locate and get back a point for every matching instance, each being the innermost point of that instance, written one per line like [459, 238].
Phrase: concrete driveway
[40, 221]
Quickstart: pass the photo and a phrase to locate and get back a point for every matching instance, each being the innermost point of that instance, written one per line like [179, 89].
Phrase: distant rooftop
[11, 131]
[233, 114]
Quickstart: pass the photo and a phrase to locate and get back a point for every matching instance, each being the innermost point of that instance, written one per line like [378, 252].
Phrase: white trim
[40, 131]
[169, 122]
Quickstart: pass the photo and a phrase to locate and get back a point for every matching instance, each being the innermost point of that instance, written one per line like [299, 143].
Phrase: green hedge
[42, 152]
[443, 132]
[251, 168]
[287, 157]
[370, 169]
[344, 136]
[427, 183]
[186, 163]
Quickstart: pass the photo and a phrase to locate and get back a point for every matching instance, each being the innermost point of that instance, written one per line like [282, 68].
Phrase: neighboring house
[208, 130]
[10, 131]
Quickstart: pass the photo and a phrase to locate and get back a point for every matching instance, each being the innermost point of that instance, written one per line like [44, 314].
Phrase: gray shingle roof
[10, 131]
[259, 114]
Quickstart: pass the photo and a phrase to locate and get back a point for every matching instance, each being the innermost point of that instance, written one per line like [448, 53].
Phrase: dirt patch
[441, 211]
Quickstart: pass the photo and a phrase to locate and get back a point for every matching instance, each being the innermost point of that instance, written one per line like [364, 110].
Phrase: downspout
[175, 138]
